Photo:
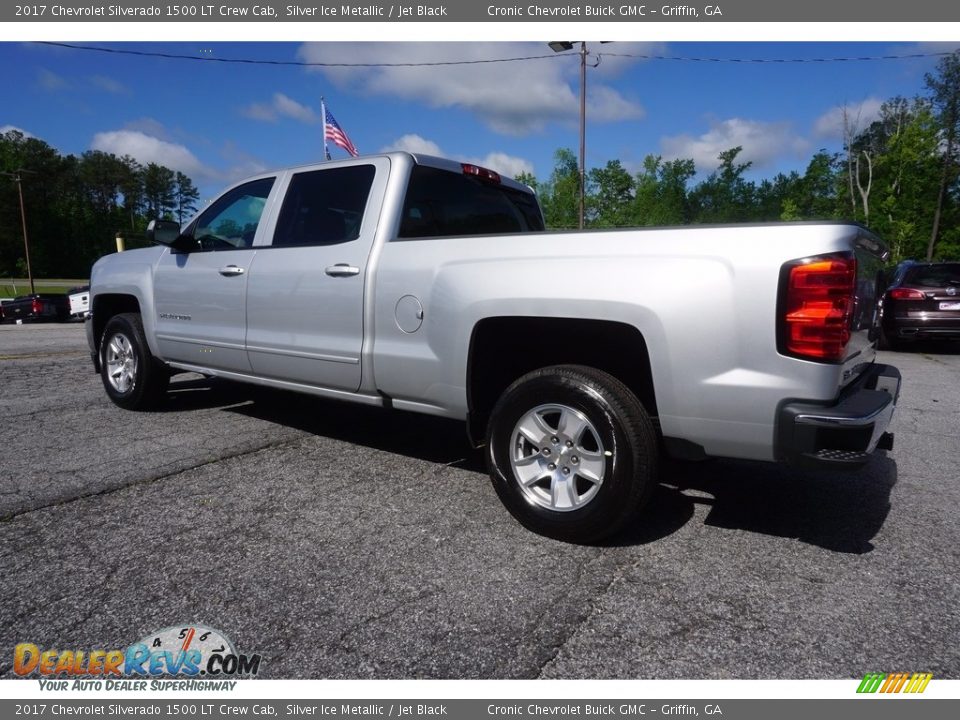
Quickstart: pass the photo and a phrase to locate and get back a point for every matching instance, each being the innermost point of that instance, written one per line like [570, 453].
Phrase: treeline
[75, 206]
[900, 176]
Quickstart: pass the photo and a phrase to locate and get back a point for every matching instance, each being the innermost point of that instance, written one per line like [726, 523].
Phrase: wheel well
[504, 348]
[105, 307]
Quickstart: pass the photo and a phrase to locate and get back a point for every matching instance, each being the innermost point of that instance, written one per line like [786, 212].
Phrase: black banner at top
[265, 11]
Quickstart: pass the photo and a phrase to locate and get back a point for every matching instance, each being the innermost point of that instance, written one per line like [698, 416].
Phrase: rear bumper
[905, 327]
[844, 433]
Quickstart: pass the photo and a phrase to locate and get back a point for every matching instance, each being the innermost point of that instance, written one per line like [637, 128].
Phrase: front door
[201, 288]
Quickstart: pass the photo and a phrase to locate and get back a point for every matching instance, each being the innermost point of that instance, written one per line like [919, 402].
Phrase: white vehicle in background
[79, 298]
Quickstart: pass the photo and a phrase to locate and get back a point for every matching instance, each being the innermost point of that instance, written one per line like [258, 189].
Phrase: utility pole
[583, 130]
[17, 178]
[561, 46]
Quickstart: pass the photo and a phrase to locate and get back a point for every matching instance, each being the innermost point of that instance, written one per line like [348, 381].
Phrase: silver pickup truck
[576, 358]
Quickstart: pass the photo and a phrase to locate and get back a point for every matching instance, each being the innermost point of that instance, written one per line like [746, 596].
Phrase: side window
[324, 207]
[231, 221]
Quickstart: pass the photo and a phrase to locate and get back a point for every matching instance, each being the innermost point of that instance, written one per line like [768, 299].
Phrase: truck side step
[839, 458]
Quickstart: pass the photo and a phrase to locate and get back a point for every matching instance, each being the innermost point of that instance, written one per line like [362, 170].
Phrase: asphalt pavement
[347, 542]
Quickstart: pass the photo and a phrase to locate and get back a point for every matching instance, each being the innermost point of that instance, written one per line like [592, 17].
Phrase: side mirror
[163, 232]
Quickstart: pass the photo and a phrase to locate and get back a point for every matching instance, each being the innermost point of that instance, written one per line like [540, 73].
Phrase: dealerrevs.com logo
[188, 652]
[909, 683]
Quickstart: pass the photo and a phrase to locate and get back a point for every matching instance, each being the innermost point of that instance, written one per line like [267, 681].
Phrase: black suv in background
[922, 302]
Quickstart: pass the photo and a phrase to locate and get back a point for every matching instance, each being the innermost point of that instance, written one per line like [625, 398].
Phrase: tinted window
[933, 276]
[324, 207]
[231, 222]
[439, 203]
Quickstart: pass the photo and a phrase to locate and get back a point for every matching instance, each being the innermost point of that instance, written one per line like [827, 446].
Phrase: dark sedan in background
[922, 302]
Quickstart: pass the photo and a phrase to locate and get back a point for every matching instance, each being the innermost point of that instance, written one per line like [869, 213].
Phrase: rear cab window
[441, 203]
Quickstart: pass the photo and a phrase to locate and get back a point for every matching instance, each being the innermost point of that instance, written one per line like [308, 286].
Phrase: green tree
[159, 193]
[100, 174]
[185, 196]
[611, 196]
[661, 196]
[777, 199]
[725, 196]
[560, 196]
[74, 205]
[944, 89]
[907, 175]
[39, 167]
[131, 187]
[526, 178]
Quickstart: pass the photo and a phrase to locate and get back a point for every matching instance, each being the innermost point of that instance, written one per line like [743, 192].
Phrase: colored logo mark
[894, 682]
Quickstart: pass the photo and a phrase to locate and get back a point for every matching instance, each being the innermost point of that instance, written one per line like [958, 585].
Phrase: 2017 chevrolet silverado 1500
[575, 358]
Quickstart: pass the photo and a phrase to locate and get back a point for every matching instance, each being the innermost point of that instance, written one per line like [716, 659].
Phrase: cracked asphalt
[348, 542]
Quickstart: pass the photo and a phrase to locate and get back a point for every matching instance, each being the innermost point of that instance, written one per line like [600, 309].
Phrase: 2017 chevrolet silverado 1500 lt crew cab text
[575, 358]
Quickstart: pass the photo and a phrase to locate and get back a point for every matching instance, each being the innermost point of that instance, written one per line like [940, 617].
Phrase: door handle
[342, 270]
[231, 271]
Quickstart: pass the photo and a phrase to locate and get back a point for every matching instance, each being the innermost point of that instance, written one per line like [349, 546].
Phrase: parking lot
[348, 542]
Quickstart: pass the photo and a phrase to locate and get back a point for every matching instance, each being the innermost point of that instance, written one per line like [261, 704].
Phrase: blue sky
[220, 122]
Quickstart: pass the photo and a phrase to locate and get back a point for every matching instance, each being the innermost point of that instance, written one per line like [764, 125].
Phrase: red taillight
[818, 308]
[37, 306]
[480, 172]
[906, 294]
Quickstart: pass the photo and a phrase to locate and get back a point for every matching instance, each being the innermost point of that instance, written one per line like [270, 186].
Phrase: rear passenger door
[305, 294]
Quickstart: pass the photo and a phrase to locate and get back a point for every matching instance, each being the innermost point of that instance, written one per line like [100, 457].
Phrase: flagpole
[323, 115]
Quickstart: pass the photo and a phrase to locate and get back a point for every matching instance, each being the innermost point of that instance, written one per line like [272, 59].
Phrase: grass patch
[10, 288]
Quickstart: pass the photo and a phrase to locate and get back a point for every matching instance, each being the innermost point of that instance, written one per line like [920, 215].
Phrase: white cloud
[109, 85]
[280, 106]
[149, 126]
[762, 143]
[830, 124]
[513, 98]
[4, 129]
[414, 144]
[50, 80]
[241, 164]
[260, 111]
[148, 149]
[934, 46]
[506, 165]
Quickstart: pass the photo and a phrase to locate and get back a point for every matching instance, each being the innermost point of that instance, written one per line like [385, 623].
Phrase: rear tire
[132, 377]
[885, 342]
[572, 453]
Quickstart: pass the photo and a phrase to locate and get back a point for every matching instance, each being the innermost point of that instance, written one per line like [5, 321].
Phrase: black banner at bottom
[872, 708]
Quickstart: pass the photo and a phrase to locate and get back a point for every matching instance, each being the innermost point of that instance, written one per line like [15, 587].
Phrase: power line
[860, 58]
[672, 58]
[294, 63]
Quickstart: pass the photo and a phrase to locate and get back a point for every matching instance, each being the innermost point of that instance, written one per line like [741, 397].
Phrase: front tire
[572, 453]
[132, 377]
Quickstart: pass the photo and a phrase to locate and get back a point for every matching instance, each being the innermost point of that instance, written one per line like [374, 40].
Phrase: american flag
[333, 132]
